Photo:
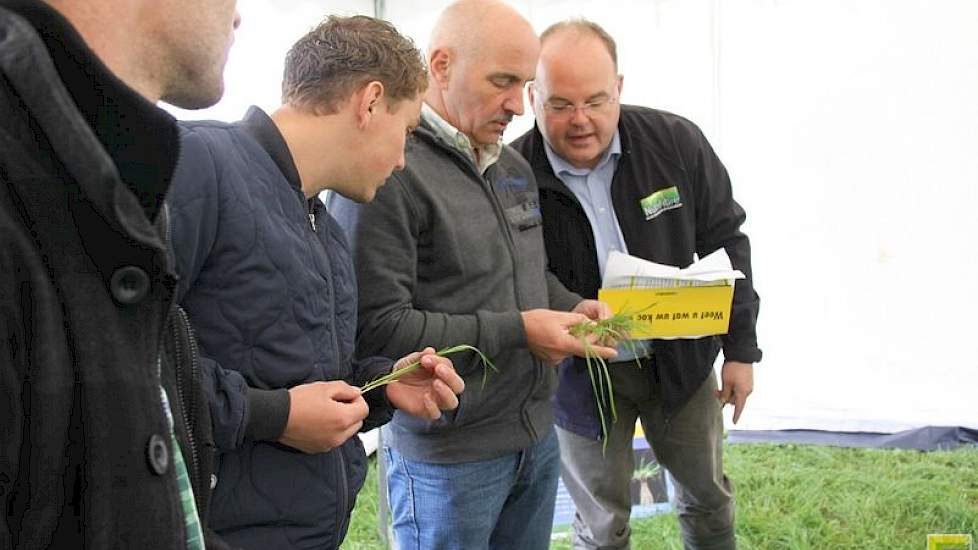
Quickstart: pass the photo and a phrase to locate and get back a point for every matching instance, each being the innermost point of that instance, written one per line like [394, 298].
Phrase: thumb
[724, 394]
[345, 392]
[572, 319]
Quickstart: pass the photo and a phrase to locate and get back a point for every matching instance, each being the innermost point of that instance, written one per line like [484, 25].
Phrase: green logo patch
[661, 201]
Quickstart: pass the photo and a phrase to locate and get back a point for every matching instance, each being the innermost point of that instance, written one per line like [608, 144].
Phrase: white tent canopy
[850, 129]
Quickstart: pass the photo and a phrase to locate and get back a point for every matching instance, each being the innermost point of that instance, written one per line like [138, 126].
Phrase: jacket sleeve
[364, 371]
[237, 410]
[13, 373]
[385, 235]
[718, 221]
[561, 299]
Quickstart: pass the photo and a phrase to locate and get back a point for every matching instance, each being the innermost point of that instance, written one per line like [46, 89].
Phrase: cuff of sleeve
[742, 355]
[268, 413]
[380, 407]
[500, 330]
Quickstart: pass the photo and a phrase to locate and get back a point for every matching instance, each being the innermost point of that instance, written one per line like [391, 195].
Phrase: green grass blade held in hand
[616, 328]
[393, 376]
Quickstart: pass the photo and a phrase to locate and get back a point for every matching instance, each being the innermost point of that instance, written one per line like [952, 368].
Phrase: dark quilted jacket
[272, 296]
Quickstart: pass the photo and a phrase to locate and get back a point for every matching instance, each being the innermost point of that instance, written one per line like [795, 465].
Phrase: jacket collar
[541, 164]
[120, 148]
[426, 132]
[257, 124]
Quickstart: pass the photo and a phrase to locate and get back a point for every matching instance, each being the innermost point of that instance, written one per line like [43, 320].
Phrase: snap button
[158, 454]
[129, 285]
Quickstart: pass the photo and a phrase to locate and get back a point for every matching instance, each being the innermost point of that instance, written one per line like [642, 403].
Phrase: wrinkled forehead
[520, 63]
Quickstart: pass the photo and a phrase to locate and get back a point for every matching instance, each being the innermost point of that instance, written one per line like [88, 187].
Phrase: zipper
[183, 333]
[511, 244]
[166, 225]
[342, 497]
[327, 276]
[312, 216]
[325, 272]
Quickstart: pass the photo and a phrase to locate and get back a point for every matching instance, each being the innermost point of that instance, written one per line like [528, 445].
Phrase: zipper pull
[312, 221]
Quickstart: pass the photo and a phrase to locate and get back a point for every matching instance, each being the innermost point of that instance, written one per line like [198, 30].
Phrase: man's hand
[737, 383]
[323, 415]
[548, 336]
[594, 309]
[427, 391]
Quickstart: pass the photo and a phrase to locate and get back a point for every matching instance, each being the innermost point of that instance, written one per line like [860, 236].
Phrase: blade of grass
[393, 376]
[617, 327]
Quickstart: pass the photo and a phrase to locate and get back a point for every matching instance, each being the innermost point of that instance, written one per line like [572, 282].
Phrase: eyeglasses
[566, 109]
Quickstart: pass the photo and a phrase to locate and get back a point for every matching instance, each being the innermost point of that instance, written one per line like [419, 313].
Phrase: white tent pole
[717, 114]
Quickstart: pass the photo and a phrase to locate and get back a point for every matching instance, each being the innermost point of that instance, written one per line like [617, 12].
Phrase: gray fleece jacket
[447, 256]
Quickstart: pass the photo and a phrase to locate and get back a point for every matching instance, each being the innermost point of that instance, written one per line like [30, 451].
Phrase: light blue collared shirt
[592, 187]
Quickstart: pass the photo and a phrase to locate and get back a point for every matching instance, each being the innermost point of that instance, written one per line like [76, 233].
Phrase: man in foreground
[88, 334]
[604, 169]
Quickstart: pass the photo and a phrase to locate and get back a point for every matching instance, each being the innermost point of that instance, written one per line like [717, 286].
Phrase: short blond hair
[343, 54]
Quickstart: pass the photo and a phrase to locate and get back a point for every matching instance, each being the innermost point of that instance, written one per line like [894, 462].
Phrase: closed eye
[503, 81]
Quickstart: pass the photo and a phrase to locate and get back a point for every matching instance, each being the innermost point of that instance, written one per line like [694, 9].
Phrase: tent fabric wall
[253, 75]
[850, 131]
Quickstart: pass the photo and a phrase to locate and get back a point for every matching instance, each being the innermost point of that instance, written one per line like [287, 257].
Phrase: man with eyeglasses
[605, 171]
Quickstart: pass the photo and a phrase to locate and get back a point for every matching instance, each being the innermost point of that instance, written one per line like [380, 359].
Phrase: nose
[514, 101]
[579, 117]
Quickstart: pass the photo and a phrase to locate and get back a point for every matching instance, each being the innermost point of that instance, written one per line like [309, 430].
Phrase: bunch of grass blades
[393, 376]
[616, 329]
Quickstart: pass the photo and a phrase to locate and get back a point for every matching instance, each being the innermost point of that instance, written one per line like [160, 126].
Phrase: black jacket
[86, 322]
[659, 150]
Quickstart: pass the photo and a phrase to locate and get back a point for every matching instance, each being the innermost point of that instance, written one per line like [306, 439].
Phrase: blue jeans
[502, 503]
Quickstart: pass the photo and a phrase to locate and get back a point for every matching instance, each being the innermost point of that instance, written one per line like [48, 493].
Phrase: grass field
[792, 497]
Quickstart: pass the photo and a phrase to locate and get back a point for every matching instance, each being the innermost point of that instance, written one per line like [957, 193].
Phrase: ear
[531, 92]
[621, 81]
[370, 98]
[439, 65]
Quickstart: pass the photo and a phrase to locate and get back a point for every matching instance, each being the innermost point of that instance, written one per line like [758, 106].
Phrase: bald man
[451, 252]
[106, 439]
[605, 171]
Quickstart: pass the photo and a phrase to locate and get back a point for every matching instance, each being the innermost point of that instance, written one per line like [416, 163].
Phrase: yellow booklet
[669, 302]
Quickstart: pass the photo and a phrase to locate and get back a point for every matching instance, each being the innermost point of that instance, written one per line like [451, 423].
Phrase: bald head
[480, 56]
[470, 26]
[572, 30]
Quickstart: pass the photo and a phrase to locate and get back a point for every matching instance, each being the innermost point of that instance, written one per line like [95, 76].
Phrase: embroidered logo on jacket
[661, 201]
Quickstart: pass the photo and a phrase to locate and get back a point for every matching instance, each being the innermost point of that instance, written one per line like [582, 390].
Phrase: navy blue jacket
[268, 282]
[659, 150]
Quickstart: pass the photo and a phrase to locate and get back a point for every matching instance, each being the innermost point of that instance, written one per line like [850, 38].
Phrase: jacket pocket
[525, 215]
